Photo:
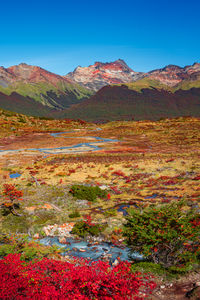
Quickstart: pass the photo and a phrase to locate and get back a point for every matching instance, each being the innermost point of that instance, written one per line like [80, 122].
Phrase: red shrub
[170, 160]
[196, 178]
[51, 279]
[169, 182]
[11, 193]
[118, 173]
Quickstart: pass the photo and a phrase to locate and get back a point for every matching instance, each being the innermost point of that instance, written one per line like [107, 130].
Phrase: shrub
[110, 213]
[6, 249]
[51, 279]
[167, 235]
[86, 227]
[11, 196]
[74, 214]
[29, 250]
[89, 193]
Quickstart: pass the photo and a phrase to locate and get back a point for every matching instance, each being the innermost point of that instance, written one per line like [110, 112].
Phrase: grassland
[150, 164]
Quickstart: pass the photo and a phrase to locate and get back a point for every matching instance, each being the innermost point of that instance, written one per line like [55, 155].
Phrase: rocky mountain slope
[49, 89]
[100, 74]
[29, 74]
[172, 75]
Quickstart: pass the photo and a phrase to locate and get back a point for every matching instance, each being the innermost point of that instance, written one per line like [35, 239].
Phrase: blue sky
[60, 35]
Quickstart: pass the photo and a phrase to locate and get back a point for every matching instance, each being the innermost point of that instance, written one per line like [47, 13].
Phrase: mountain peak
[103, 73]
[172, 74]
[196, 63]
[32, 74]
[116, 62]
[121, 61]
[23, 64]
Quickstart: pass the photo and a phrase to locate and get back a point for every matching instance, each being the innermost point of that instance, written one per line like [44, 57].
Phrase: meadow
[141, 169]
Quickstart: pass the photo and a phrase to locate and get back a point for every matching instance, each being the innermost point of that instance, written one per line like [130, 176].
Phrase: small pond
[15, 175]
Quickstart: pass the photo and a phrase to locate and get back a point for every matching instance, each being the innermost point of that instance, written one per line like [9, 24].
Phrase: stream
[92, 251]
[77, 248]
[77, 148]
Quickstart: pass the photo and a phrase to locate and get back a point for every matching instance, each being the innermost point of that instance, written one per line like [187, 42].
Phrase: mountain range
[100, 74]
[103, 91]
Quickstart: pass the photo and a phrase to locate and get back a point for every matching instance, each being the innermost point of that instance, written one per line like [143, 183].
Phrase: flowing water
[78, 148]
[83, 249]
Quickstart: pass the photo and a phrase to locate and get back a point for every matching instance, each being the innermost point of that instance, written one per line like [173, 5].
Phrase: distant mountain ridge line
[102, 91]
[97, 75]
[100, 74]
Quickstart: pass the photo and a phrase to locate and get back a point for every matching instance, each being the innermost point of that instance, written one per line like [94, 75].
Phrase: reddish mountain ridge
[172, 75]
[100, 74]
[29, 74]
[47, 88]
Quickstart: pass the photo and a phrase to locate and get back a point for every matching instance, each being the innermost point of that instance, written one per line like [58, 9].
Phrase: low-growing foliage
[74, 214]
[51, 279]
[29, 250]
[167, 234]
[87, 227]
[16, 224]
[110, 213]
[89, 193]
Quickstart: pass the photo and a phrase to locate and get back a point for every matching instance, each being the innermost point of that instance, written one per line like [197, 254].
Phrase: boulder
[36, 236]
[62, 240]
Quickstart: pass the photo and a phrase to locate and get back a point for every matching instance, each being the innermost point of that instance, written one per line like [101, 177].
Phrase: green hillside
[144, 99]
[186, 85]
[145, 83]
[48, 94]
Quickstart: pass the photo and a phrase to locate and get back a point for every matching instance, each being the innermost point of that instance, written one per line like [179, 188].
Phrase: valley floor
[145, 163]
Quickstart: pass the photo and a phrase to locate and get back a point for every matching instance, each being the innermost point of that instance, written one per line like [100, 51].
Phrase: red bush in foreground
[51, 279]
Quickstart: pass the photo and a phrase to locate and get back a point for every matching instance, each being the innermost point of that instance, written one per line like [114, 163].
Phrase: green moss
[15, 224]
[159, 270]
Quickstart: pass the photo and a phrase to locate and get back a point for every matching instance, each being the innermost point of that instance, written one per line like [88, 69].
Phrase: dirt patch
[177, 289]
